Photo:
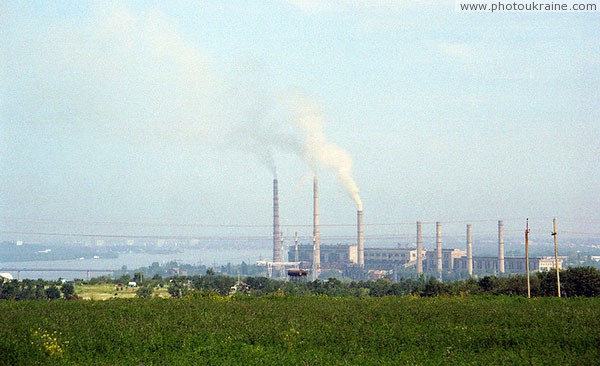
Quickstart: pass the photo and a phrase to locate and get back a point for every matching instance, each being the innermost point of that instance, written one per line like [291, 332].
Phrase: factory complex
[354, 260]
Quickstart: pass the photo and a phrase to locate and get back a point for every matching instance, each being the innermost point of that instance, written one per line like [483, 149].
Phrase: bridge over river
[42, 270]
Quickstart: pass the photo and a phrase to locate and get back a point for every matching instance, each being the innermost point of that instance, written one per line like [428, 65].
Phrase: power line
[256, 237]
[205, 225]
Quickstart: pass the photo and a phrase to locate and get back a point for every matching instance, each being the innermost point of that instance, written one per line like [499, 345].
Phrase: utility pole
[556, 256]
[527, 258]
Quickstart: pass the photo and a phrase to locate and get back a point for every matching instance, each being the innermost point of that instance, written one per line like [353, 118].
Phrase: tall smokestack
[316, 234]
[276, 233]
[500, 246]
[419, 249]
[360, 239]
[438, 239]
[469, 250]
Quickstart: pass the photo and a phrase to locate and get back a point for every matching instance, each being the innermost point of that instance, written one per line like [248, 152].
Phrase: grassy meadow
[105, 291]
[302, 330]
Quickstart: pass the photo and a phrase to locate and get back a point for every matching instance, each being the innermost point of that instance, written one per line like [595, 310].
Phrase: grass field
[302, 330]
[107, 291]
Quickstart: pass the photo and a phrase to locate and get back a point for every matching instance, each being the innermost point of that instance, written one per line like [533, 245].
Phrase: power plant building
[389, 258]
[317, 257]
[331, 256]
[448, 258]
[511, 264]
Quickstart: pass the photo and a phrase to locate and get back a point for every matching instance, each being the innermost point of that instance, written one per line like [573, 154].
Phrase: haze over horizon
[178, 113]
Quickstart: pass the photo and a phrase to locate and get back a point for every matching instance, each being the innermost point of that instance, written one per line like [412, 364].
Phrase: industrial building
[331, 256]
[390, 258]
[512, 264]
[453, 260]
[449, 256]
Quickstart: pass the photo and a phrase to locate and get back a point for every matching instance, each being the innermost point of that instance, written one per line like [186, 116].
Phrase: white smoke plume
[318, 152]
[132, 77]
[251, 120]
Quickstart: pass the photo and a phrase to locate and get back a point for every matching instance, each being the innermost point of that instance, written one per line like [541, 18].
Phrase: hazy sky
[175, 112]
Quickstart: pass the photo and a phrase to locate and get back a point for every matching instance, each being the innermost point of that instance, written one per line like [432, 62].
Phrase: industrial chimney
[469, 250]
[419, 249]
[360, 239]
[501, 246]
[316, 238]
[438, 239]
[276, 233]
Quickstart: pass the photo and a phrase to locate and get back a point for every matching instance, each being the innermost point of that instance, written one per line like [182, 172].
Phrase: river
[195, 256]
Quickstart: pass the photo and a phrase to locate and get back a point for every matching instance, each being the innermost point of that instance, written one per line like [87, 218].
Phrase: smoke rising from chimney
[295, 124]
[317, 151]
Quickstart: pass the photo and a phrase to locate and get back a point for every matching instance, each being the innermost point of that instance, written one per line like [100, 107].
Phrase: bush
[145, 292]
[68, 290]
[580, 281]
[52, 293]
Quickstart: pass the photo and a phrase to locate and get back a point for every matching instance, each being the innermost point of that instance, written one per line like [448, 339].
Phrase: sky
[167, 117]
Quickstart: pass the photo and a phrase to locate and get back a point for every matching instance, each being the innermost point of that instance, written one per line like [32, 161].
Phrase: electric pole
[556, 256]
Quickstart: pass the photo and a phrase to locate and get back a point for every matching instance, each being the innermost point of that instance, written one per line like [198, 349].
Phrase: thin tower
[419, 249]
[438, 240]
[316, 234]
[360, 240]
[500, 246]
[527, 258]
[276, 233]
[296, 242]
[469, 250]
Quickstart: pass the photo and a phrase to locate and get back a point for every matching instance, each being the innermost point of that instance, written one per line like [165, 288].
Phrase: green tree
[26, 290]
[380, 287]
[10, 290]
[178, 287]
[40, 293]
[434, 287]
[53, 293]
[580, 281]
[68, 290]
[124, 279]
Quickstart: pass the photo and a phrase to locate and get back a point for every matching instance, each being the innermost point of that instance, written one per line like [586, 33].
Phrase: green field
[107, 291]
[302, 330]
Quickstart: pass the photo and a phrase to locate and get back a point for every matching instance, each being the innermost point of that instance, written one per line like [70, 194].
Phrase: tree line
[36, 290]
[575, 281]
